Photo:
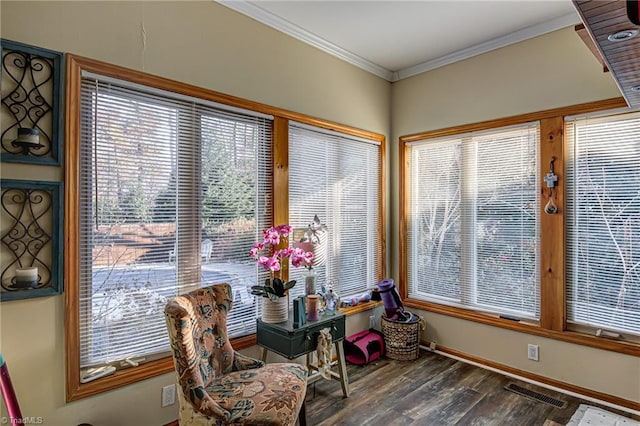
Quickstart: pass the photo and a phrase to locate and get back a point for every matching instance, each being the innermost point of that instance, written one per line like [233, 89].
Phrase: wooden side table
[290, 342]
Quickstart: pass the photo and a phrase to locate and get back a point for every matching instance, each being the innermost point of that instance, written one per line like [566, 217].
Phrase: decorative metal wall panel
[31, 111]
[31, 226]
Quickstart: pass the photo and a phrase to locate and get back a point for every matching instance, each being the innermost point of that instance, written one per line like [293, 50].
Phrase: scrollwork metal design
[26, 102]
[30, 235]
[26, 237]
[31, 79]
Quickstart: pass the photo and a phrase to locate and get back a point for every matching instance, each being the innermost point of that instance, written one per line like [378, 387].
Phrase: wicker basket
[402, 339]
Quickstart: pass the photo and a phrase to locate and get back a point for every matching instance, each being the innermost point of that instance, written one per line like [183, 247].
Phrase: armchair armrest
[243, 362]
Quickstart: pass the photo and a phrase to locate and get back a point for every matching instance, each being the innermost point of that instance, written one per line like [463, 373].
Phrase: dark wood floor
[433, 390]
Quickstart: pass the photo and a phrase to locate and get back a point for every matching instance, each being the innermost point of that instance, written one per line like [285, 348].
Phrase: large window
[476, 239]
[168, 187]
[603, 224]
[173, 192]
[473, 225]
[337, 178]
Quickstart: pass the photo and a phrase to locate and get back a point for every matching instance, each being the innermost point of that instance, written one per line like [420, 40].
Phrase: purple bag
[363, 347]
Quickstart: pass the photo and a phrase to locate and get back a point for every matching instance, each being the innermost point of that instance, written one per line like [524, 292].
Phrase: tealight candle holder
[26, 277]
[27, 139]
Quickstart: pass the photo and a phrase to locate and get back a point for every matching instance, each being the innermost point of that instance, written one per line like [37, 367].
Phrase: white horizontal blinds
[434, 220]
[505, 218]
[337, 178]
[128, 158]
[603, 222]
[236, 206]
[160, 214]
[473, 222]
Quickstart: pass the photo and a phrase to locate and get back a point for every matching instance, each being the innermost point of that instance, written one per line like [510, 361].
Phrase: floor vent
[512, 387]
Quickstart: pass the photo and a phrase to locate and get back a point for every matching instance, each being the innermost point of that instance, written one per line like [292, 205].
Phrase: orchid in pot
[270, 258]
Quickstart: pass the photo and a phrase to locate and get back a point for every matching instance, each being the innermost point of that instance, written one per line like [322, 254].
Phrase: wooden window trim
[553, 321]
[75, 66]
[552, 227]
[627, 348]
[360, 307]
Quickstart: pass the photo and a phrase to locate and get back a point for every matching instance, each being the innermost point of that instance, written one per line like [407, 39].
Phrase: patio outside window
[173, 192]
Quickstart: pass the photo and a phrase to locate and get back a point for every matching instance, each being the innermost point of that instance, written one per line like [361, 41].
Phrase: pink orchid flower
[299, 257]
[286, 252]
[308, 256]
[271, 236]
[296, 261]
[275, 263]
[284, 230]
[271, 263]
[296, 254]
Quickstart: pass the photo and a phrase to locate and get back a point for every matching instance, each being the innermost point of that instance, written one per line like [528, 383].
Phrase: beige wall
[201, 43]
[603, 371]
[550, 71]
[208, 45]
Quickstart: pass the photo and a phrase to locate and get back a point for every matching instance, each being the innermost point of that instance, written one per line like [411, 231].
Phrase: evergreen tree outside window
[161, 178]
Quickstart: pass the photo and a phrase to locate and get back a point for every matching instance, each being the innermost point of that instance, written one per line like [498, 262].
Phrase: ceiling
[605, 20]
[398, 39]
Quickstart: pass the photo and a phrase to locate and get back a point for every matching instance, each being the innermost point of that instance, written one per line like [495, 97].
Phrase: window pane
[506, 222]
[473, 222]
[336, 178]
[434, 235]
[126, 276]
[236, 182]
[173, 194]
[603, 271]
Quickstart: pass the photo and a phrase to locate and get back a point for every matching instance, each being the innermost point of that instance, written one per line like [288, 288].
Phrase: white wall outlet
[372, 321]
[532, 352]
[432, 346]
[168, 395]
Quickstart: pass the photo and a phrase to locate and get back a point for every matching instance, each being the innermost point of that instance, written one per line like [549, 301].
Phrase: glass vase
[309, 282]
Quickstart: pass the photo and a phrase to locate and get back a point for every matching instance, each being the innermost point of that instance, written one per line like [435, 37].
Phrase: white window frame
[188, 266]
[301, 134]
[468, 250]
[583, 316]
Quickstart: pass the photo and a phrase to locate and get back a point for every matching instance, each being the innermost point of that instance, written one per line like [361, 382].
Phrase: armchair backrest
[197, 325]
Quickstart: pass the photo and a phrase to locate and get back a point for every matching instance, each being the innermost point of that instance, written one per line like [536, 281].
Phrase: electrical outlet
[372, 321]
[532, 352]
[432, 346]
[168, 395]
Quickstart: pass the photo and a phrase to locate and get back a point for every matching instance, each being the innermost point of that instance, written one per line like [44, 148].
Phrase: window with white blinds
[473, 226]
[603, 222]
[336, 177]
[173, 192]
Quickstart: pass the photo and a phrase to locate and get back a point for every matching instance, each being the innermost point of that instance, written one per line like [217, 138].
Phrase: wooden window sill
[360, 307]
[627, 348]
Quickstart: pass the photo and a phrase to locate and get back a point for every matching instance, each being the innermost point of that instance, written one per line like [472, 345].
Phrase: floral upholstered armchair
[219, 386]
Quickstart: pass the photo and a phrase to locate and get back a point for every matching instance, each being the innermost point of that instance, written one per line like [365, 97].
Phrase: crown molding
[489, 45]
[252, 10]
